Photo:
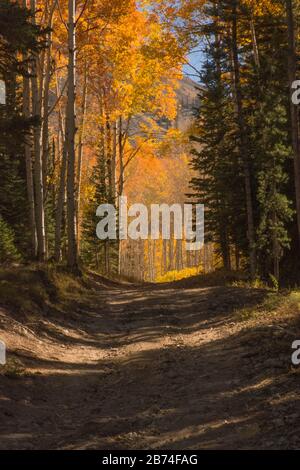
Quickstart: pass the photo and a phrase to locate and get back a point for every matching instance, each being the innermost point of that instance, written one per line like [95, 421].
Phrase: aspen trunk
[150, 260]
[61, 197]
[141, 266]
[121, 162]
[171, 255]
[254, 42]
[38, 166]
[45, 108]
[114, 160]
[28, 162]
[71, 126]
[153, 261]
[29, 175]
[108, 155]
[178, 255]
[243, 144]
[80, 146]
[165, 256]
[120, 182]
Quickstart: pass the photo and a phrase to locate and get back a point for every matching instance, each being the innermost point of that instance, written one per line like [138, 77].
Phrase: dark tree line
[247, 152]
[19, 39]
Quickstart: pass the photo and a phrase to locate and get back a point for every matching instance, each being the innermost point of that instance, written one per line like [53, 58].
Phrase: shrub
[8, 250]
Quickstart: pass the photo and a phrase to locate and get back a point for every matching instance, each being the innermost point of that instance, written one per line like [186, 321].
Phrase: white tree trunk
[80, 147]
[61, 196]
[71, 125]
[38, 167]
[28, 161]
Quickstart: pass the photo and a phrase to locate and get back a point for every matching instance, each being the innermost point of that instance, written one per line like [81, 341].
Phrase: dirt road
[151, 367]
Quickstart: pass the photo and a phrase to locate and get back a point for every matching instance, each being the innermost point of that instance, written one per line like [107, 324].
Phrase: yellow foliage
[178, 275]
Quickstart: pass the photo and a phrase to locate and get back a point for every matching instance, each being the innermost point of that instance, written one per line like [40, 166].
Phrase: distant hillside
[187, 106]
[188, 103]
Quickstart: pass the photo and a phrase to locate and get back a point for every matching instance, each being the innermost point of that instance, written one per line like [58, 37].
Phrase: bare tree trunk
[61, 196]
[292, 69]
[120, 183]
[121, 161]
[45, 106]
[205, 259]
[254, 42]
[80, 145]
[171, 255]
[154, 260]
[243, 143]
[149, 247]
[197, 258]
[29, 175]
[140, 260]
[38, 166]
[28, 162]
[114, 160]
[178, 255]
[165, 256]
[188, 258]
[71, 125]
[108, 154]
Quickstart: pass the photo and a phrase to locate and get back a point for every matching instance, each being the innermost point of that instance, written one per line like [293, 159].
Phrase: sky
[196, 59]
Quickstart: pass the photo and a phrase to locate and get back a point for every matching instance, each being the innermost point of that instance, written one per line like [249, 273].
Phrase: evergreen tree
[17, 37]
[99, 254]
[8, 250]
[219, 180]
[258, 114]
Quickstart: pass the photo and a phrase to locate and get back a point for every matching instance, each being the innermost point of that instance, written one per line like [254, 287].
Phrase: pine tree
[18, 37]
[8, 250]
[244, 135]
[268, 121]
[99, 254]
[219, 184]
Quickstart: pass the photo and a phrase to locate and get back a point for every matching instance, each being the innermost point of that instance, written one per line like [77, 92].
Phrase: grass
[30, 292]
[282, 303]
[220, 277]
[22, 290]
[13, 368]
[248, 284]
[33, 289]
[178, 275]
